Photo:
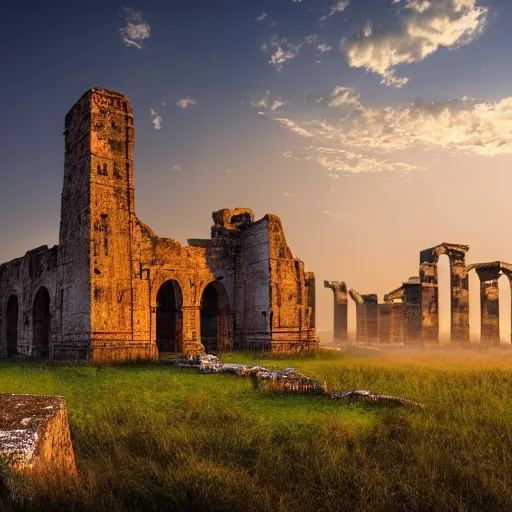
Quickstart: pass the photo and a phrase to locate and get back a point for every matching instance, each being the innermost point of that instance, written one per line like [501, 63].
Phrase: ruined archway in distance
[169, 315]
[11, 318]
[215, 318]
[41, 324]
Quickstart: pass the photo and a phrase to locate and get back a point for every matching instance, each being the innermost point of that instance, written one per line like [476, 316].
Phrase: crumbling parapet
[35, 437]
[339, 288]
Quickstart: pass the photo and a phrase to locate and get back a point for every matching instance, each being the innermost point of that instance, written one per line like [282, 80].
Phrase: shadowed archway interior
[215, 320]
[169, 317]
[12, 325]
[41, 324]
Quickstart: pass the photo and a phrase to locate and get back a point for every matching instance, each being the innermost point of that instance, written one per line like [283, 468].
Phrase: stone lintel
[432, 254]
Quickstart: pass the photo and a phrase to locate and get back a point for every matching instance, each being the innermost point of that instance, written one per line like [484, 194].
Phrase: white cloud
[368, 29]
[135, 29]
[186, 102]
[277, 104]
[337, 8]
[293, 126]
[261, 17]
[288, 194]
[260, 100]
[323, 48]
[157, 120]
[425, 26]
[263, 102]
[282, 51]
[459, 126]
[176, 168]
[342, 96]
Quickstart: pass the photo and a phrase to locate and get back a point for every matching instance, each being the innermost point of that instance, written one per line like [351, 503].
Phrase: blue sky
[373, 128]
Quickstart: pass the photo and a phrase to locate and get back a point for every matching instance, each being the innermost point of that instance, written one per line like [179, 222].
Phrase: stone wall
[112, 280]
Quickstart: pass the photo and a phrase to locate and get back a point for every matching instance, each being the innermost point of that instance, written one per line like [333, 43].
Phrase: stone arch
[459, 328]
[41, 324]
[169, 317]
[215, 318]
[12, 325]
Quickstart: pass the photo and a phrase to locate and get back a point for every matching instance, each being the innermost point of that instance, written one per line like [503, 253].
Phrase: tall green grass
[159, 438]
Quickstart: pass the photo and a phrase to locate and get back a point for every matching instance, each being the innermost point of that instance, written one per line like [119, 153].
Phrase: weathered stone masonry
[112, 290]
[410, 313]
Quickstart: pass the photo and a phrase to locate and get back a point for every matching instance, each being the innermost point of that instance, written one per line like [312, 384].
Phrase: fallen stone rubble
[283, 380]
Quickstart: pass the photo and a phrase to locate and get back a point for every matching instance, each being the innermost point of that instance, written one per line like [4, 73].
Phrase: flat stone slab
[34, 434]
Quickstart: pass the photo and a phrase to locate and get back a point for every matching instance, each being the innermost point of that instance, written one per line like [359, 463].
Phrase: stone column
[489, 305]
[412, 312]
[385, 323]
[509, 275]
[459, 297]
[398, 323]
[371, 314]
[429, 298]
[191, 330]
[340, 331]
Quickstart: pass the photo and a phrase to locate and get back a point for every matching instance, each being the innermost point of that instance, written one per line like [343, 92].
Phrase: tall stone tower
[96, 270]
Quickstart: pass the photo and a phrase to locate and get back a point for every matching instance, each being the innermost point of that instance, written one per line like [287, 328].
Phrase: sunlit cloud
[186, 102]
[323, 48]
[135, 29]
[424, 27]
[337, 8]
[264, 102]
[458, 126]
[342, 96]
[277, 104]
[157, 120]
[281, 51]
[288, 194]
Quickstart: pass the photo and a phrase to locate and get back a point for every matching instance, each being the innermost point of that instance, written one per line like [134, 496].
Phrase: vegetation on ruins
[155, 437]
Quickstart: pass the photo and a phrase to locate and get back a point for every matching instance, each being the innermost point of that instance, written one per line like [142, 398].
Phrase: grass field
[154, 437]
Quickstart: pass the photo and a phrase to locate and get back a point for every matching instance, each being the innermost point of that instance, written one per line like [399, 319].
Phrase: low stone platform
[34, 435]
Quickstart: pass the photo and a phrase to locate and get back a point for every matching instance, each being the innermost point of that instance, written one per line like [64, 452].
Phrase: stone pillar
[509, 275]
[367, 317]
[489, 305]
[412, 312]
[372, 318]
[398, 323]
[385, 316]
[311, 295]
[191, 330]
[340, 331]
[459, 297]
[429, 298]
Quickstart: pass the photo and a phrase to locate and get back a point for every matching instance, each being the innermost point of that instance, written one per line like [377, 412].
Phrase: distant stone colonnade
[409, 314]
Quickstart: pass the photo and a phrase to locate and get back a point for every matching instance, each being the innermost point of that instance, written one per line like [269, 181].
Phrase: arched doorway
[11, 317]
[41, 324]
[215, 319]
[169, 317]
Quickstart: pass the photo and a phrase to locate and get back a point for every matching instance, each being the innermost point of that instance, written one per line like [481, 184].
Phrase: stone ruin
[409, 314]
[35, 437]
[112, 290]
